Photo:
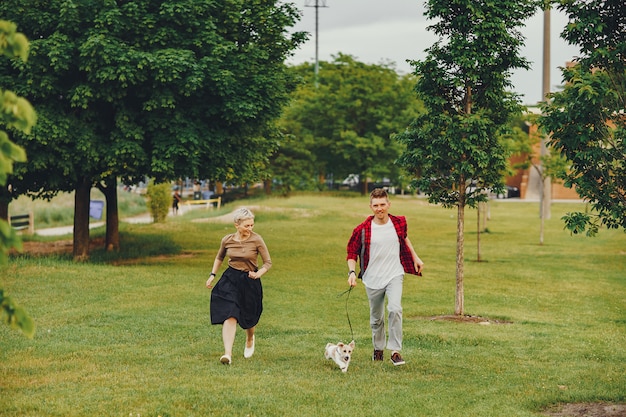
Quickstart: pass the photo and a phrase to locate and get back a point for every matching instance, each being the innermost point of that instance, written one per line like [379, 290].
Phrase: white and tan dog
[340, 353]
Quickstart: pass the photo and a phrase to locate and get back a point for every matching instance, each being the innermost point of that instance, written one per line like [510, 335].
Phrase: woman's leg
[250, 337]
[228, 335]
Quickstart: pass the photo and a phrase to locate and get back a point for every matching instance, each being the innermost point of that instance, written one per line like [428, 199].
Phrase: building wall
[528, 180]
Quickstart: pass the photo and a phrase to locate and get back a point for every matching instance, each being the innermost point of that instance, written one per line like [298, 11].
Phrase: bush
[159, 200]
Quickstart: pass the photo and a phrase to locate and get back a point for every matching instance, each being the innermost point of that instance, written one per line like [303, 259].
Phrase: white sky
[375, 31]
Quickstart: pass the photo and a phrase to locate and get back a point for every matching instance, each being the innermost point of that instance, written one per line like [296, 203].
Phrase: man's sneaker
[396, 359]
[378, 355]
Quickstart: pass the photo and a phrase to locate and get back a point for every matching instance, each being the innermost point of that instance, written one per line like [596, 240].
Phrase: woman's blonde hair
[242, 214]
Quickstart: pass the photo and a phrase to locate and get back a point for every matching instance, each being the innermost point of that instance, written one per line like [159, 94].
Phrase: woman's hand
[209, 282]
[255, 274]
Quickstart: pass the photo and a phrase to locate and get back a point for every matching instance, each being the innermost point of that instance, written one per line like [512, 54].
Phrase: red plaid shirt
[359, 244]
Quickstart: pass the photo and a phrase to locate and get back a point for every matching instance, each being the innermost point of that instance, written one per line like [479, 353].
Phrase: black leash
[348, 291]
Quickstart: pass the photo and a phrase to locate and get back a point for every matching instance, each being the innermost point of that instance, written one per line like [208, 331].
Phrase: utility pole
[546, 186]
[317, 4]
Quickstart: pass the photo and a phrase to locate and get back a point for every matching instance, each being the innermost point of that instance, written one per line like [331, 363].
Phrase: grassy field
[130, 335]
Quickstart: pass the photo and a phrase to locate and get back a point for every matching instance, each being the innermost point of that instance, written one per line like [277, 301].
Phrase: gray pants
[393, 291]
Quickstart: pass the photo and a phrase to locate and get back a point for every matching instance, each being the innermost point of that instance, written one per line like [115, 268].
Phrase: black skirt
[239, 296]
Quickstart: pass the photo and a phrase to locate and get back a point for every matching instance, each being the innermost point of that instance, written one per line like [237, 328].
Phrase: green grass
[132, 335]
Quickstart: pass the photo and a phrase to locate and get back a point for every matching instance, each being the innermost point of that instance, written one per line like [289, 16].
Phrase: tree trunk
[5, 199]
[363, 184]
[81, 220]
[460, 298]
[459, 301]
[4, 210]
[479, 208]
[109, 189]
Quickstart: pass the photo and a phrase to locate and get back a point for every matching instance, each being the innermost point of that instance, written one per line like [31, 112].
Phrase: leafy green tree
[586, 120]
[348, 119]
[454, 149]
[15, 113]
[156, 88]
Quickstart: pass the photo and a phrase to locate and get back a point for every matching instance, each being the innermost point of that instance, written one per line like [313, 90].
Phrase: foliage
[134, 336]
[157, 88]
[16, 113]
[586, 120]
[454, 149]
[521, 141]
[344, 123]
[463, 83]
[159, 200]
[291, 166]
[15, 315]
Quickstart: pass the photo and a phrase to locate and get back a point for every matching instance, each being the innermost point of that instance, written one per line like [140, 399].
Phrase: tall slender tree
[454, 149]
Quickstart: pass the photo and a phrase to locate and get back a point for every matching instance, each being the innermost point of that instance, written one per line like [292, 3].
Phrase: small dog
[340, 353]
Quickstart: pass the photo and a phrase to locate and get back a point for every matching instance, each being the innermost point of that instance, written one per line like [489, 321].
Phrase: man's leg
[394, 306]
[377, 317]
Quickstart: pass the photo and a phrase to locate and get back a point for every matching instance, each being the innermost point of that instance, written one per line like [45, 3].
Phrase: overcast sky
[375, 31]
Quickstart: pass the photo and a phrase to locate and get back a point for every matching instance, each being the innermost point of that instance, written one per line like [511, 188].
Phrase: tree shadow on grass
[133, 247]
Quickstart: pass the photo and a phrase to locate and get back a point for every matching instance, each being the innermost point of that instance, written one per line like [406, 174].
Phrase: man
[385, 254]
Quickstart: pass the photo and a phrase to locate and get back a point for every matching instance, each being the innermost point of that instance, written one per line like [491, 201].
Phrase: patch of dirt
[587, 410]
[466, 318]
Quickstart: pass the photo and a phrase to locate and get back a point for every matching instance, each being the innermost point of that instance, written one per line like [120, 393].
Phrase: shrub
[159, 200]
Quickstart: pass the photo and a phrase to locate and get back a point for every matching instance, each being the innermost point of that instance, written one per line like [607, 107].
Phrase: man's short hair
[378, 193]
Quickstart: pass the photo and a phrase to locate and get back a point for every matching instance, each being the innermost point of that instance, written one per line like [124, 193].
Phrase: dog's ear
[340, 344]
[352, 344]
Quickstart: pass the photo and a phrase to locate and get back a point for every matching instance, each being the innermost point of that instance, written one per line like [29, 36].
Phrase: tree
[586, 120]
[140, 88]
[454, 149]
[348, 119]
[15, 113]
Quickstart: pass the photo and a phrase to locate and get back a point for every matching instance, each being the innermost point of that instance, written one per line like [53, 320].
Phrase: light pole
[317, 4]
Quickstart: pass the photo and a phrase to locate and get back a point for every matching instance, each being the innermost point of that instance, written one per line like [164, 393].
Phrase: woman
[237, 299]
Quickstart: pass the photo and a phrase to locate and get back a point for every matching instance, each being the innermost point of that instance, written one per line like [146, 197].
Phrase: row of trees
[463, 82]
[169, 89]
[342, 123]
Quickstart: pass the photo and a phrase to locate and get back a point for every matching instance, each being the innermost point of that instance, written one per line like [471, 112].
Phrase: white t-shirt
[384, 263]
